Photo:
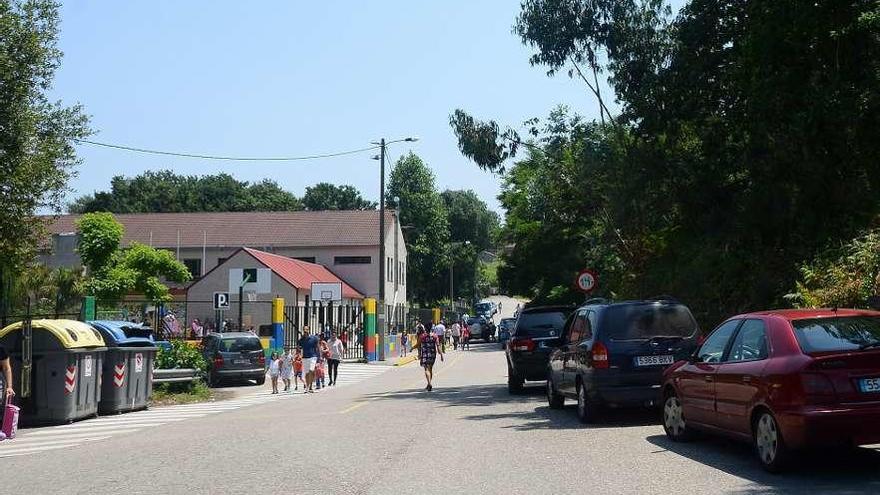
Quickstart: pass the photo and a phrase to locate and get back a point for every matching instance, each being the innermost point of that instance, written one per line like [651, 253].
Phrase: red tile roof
[234, 229]
[301, 274]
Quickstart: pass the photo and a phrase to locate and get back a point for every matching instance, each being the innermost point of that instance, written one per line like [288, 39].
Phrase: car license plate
[241, 361]
[654, 360]
[869, 385]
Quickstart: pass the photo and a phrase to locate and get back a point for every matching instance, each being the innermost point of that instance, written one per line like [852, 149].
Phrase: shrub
[181, 355]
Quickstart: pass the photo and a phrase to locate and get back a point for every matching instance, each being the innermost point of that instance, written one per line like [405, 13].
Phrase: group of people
[312, 362]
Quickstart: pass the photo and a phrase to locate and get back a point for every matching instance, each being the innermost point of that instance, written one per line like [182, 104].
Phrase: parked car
[534, 336]
[782, 380]
[505, 327]
[612, 355]
[486, 309]
[480, 328]
[234, 355]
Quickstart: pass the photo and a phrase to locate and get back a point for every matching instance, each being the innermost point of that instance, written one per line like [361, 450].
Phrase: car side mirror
[694, 359]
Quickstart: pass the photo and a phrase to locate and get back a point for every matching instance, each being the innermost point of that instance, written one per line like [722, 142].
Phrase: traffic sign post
[586, 281]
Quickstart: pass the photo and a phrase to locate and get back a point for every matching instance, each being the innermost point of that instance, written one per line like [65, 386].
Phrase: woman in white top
[336, 350]
[287, 369]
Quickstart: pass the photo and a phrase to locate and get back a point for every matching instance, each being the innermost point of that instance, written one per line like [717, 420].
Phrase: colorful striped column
[435, 315]
[278, 323]
[370, 337]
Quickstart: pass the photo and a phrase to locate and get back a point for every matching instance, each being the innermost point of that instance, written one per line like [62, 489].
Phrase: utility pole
[381, 311]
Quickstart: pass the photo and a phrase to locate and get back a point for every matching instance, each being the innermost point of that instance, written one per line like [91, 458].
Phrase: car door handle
[747, 379]
[709, 379]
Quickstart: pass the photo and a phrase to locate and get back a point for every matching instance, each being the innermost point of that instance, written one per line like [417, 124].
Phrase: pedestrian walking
[465, 338]
[298, 369]
[321, 365]
[439, 331]
[274, 371]
[287, 369]
[6, 368]
[456, 334]
[336, 351]
[404, 338]
[344, 339]
[429, 348]
[309, 345]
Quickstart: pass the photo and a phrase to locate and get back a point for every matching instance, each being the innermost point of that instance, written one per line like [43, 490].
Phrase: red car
[783, 380]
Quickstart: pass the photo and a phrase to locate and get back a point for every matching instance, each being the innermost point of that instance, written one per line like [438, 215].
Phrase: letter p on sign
[221, 300]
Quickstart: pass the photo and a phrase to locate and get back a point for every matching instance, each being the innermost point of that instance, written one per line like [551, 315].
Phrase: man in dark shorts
[429, 348]
[6, 368]
[309, 345]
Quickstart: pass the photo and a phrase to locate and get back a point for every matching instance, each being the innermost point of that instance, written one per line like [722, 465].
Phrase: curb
[405, 361]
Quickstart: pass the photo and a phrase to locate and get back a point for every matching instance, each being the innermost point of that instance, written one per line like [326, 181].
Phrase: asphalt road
[386, 435]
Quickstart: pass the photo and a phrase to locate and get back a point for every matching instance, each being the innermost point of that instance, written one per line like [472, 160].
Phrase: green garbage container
[128, 366]
[66, 372]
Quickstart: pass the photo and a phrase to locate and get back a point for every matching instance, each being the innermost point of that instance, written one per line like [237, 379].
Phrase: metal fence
[346, 320]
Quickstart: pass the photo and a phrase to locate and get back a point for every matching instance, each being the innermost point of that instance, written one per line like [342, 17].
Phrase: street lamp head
[411, 139]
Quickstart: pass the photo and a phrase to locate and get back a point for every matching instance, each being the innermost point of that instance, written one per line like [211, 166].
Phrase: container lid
[124, 333]
[71, 334]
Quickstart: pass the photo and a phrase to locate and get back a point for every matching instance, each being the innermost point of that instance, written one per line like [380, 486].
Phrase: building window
[307, 259]
[352, 260]
[389, 268]
[194, 265]
[249, 274]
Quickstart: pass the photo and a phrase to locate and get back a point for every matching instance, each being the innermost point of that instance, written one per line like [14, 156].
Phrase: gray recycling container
[128, 366]
[66, 370]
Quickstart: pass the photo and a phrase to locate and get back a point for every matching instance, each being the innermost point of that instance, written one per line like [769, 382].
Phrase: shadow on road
[536, 416]
[843, 472]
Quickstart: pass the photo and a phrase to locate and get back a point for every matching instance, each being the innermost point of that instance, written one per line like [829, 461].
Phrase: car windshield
[541, 324]
[837, 334]
[483, 307]
[240, 344]
[650, 320]
[474, 321]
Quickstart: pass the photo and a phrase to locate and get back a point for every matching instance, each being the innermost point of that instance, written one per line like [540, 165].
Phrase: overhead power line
[227, 158]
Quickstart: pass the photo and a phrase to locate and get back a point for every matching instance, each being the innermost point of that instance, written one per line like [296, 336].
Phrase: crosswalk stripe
[92, 430]
[41, 448]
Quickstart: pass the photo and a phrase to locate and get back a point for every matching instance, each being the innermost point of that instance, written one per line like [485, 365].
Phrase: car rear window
[836, 334]
[240, 344]
[541, 324]
[647, 321]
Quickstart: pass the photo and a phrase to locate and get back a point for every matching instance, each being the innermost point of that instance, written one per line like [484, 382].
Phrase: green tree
[167, 192]
[37, 136]
[411, 188]
[115, 272]
[744, 144]
[473, 228]
[326, 196]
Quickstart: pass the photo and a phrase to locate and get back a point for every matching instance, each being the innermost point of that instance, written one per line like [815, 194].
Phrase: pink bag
[10, 419]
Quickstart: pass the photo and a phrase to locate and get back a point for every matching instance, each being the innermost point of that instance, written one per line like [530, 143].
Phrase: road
[387, 435]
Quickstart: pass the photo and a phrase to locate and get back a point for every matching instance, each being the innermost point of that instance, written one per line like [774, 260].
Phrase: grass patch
[166, 394]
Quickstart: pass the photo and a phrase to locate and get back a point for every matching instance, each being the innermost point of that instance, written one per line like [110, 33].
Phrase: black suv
[614, 354]
[234, 355]
[535, 335]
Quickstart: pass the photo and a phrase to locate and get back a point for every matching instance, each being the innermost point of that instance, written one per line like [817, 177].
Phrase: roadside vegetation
[733, 163]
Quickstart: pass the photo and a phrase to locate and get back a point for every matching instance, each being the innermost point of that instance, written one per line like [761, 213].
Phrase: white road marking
[33, 441]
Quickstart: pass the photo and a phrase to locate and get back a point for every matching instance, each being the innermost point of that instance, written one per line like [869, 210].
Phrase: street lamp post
[380, 310]
[451, 266]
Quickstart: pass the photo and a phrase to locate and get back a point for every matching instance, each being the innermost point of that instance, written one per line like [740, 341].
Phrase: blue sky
[296, 78]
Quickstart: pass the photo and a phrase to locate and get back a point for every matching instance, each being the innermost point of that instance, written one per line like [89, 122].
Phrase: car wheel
[261, 380]
[769, 444]
[554, 398]
[514, 382]
[213, 380]
[585, 410]
[673, 419]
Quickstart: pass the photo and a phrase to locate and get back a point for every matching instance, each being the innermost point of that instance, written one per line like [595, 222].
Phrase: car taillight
[599, 356]
[522, 345]
[817, 388]
[218, 361]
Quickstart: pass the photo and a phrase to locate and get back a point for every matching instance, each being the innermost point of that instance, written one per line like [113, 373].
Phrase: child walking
[287, 368]
[404, 338]
[298, 369]
[274, 371]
